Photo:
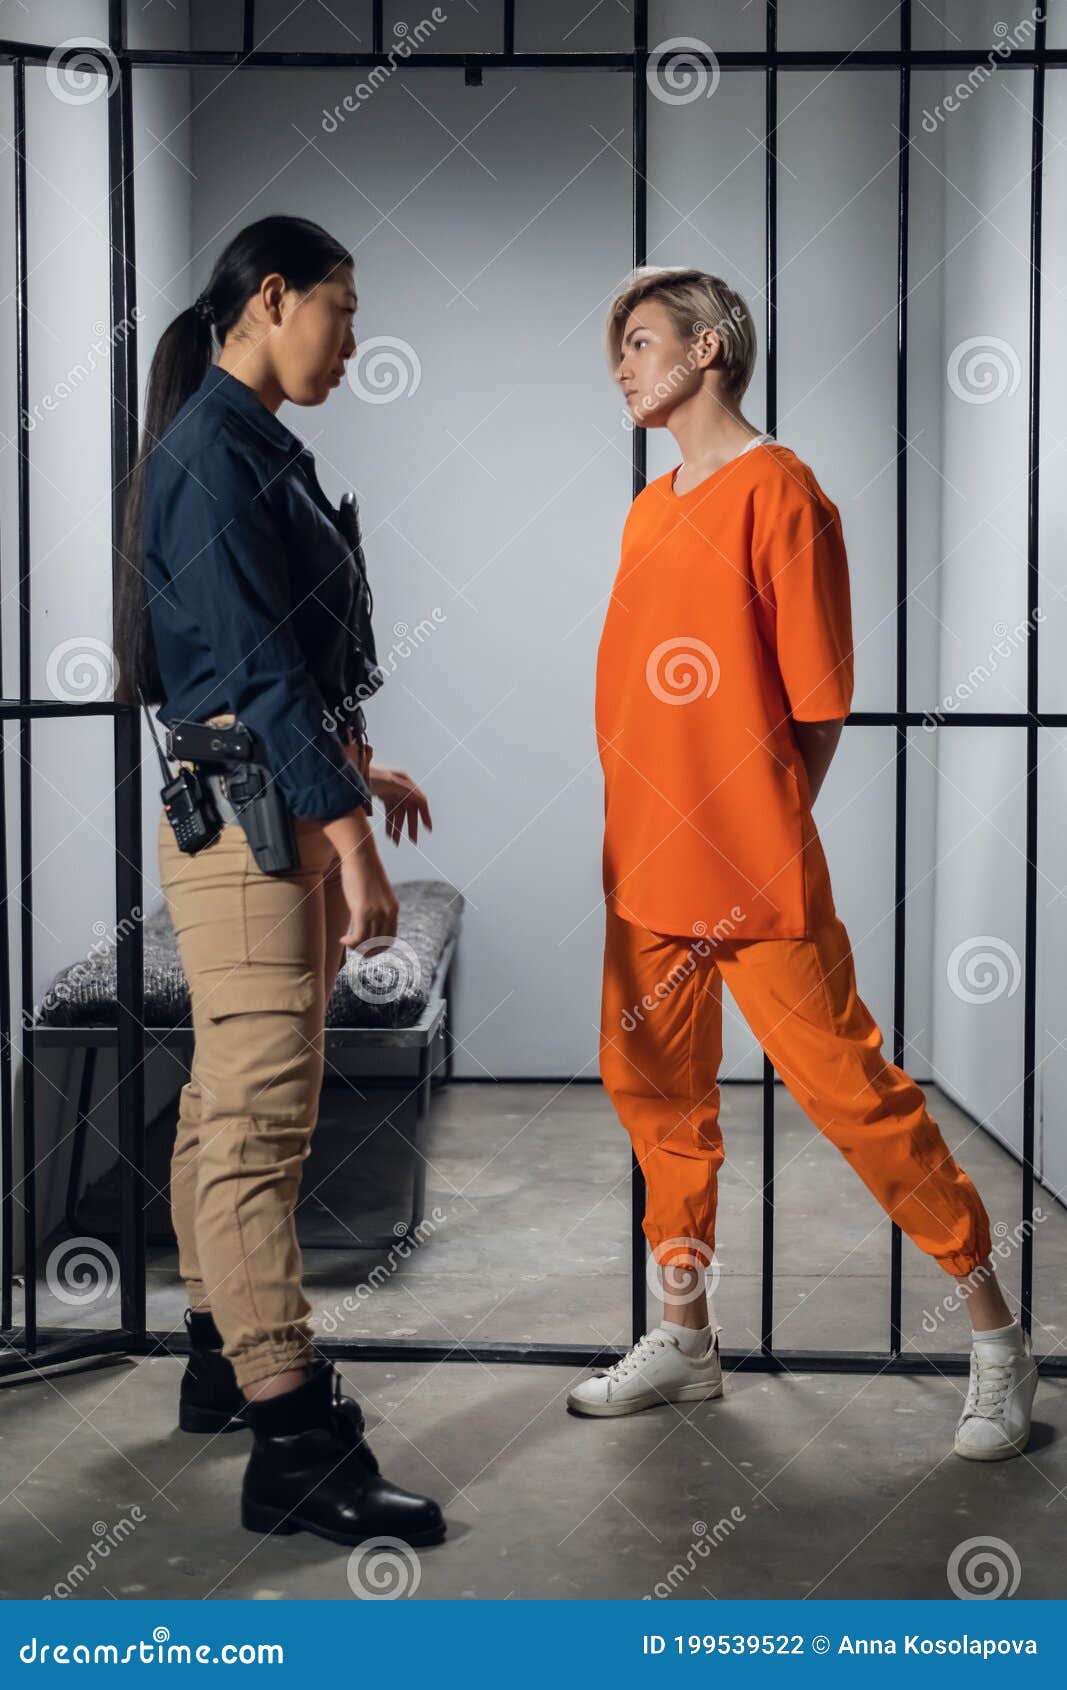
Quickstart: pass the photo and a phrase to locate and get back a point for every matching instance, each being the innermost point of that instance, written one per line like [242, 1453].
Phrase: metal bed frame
[35, 1346]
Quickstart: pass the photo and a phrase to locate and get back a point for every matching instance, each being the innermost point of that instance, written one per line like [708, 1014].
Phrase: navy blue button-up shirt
[250, 586]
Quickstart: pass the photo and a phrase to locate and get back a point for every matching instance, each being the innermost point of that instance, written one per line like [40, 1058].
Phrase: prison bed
[387, 1025]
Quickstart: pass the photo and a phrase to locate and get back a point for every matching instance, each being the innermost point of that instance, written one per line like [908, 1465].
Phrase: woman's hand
[372, 904]
[403, 801]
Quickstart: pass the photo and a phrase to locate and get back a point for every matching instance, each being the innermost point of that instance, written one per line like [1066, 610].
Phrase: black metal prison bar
[32, 1347]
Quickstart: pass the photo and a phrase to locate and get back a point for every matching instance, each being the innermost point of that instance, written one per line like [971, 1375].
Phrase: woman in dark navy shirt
[242, 596]
[232, 498]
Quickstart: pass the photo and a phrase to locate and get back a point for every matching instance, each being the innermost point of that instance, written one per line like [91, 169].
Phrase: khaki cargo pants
[261, 953]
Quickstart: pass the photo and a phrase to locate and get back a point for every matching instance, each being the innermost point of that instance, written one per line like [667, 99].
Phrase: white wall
[1052, 744]
[67, 352]
[979, 932]
[69, 452]
[493, 497]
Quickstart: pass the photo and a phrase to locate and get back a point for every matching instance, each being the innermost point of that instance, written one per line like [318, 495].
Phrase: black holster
[234, 753]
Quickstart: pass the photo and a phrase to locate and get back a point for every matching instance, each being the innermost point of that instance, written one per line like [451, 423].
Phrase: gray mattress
[388, 990]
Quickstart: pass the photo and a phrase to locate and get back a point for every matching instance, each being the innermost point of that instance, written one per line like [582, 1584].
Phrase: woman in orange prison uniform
[729, 615]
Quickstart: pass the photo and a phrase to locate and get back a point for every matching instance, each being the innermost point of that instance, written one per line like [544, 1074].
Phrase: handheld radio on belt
[189, 807]
[236, 786]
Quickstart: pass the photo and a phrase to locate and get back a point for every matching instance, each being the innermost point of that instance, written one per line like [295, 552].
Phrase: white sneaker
[995, 1422]
[655, 1371]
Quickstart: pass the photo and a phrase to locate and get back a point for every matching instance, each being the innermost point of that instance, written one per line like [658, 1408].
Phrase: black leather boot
[211, 1399]
[312, 1470]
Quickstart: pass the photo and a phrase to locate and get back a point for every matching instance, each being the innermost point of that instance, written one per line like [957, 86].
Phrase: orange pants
[660, 1050]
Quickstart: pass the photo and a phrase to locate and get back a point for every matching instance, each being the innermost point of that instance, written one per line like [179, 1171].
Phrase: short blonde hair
[695, 300]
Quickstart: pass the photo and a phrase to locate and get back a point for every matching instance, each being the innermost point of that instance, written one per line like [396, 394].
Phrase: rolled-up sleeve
[229, 567]
[801, 570]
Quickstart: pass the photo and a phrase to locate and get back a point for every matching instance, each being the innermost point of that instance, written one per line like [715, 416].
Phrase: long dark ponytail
[304, 254]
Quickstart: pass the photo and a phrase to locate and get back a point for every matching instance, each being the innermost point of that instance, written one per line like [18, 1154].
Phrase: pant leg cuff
[963, 1262]
[263, 1361]
[694, 1253]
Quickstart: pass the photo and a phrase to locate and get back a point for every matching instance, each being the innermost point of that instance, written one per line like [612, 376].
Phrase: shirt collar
[238, 396]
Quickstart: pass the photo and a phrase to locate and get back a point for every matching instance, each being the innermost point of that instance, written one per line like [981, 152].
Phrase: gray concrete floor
[832, 1485]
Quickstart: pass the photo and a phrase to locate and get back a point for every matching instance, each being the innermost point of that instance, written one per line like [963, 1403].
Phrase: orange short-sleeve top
[730, 615]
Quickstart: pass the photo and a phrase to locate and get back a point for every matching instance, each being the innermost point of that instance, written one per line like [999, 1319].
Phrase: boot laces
[349, 1425]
